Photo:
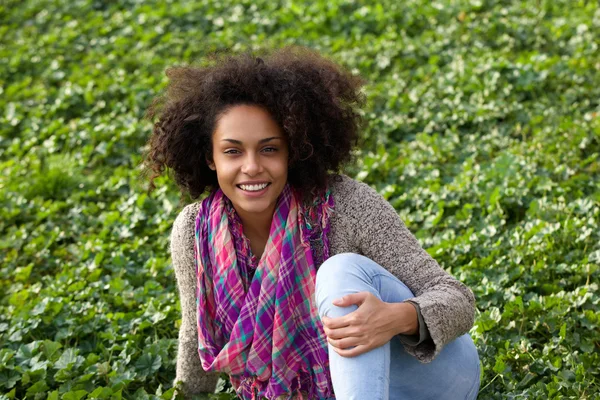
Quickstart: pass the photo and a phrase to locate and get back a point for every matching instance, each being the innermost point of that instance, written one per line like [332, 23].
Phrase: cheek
[225, 171]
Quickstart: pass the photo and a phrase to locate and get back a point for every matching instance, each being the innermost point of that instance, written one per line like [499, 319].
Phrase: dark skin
[249, 148]
[258, 240]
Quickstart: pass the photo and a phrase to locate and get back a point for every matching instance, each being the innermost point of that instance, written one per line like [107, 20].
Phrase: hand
[373, 324]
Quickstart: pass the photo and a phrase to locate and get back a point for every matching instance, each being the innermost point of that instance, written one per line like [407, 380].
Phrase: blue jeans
[389, 372]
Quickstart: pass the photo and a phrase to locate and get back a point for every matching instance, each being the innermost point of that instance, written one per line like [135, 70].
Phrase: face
[250, 156]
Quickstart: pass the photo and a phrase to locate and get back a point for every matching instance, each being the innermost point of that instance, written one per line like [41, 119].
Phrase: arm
[422, 333]
[189, 370]
[447, 306]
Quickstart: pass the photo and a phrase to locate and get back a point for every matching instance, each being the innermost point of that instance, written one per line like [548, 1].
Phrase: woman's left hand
[373, 324]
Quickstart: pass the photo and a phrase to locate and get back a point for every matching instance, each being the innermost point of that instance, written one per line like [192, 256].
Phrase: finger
[340, 333]
[353, 352]
[345, 343]
[335, 323]
[350, 299]
[355, 318]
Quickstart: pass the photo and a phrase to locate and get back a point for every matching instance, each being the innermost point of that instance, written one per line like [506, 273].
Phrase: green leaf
[38, 387]
[141, 394]
[563, 331]
[117, 395]
[51, 349]
[168, 395]
[67, 359]
[100, 393]
[19, 298]
[37, 364]
[12, 394]
[5, 356]
[22, 273]
[148, 364]
[74, 395]
[9, 378]
[500, 366]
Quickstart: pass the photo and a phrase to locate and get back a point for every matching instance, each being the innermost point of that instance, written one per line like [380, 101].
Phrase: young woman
[295, 280]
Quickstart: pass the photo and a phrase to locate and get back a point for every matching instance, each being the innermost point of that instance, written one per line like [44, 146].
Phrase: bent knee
[336, 266]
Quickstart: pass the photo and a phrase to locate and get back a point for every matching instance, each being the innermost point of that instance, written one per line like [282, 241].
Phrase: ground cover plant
[483, 131]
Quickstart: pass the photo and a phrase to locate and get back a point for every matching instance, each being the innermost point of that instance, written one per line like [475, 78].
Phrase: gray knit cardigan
[364, 223]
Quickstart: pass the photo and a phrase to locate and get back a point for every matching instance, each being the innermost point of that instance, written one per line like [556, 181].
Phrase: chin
[255, 208]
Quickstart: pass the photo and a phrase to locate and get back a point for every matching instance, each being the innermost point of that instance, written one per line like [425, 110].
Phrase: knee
[347, 273]
[336, 267]
[333, 281]
[342, 274]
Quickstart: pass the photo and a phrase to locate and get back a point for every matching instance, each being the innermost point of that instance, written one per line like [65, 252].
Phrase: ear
[211, 165]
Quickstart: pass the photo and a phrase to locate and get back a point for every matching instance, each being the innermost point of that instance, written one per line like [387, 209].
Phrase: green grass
[483, 132]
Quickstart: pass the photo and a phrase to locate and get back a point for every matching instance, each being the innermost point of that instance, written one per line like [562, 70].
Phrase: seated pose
[294, 279]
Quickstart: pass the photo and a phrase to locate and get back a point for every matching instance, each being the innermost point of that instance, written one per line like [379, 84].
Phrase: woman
[294, 280]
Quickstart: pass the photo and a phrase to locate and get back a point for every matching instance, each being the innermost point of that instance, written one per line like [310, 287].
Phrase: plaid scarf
[261, 325]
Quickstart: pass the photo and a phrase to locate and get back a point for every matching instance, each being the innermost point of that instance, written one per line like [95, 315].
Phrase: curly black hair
[315, 102]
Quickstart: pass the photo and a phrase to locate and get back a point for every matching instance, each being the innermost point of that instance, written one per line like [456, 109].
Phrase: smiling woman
[312, 101]
[250, 157]
[295, 280]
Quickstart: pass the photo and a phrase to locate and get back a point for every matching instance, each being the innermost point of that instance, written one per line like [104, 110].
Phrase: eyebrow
[260, 141]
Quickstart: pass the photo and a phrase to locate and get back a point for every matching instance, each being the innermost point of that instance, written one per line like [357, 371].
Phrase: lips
[253, 187]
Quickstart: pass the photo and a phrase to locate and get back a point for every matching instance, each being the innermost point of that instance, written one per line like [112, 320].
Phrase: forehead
[246, 123]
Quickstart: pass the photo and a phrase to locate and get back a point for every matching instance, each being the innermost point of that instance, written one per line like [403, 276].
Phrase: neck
[257, 225]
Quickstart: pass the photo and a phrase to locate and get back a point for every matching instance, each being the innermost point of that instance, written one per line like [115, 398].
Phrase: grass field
[483, 131]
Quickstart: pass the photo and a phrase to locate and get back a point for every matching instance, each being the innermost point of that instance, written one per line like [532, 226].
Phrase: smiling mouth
[253, 188]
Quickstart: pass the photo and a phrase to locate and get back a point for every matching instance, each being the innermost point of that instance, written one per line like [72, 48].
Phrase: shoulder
[356, 198]
[182, 236]
[186, 220]
[346, 188]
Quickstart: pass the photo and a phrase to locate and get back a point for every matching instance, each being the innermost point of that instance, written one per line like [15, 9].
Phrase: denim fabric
[389, 372]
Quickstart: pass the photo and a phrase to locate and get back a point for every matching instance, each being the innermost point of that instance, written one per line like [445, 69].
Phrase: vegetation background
[483, 132]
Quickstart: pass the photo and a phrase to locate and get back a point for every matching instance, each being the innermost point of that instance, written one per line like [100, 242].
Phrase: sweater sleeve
[422, 335]
[446, 305]
[188, 369]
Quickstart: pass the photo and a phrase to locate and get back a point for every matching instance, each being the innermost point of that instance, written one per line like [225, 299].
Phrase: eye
[270, 149]
[231, 151]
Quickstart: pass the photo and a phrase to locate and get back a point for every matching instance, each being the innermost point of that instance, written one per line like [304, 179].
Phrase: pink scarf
[261, 326]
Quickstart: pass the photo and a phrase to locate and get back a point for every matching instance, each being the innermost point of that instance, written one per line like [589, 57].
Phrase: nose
[251, 166]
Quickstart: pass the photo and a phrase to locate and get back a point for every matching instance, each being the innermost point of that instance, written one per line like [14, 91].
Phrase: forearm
[423, 332]
[404, 315]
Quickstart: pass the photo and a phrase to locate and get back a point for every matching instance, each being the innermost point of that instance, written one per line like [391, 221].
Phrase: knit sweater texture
[364, 223]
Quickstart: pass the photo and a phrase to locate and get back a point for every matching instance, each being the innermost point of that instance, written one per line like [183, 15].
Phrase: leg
[368, 376]
[455, 372]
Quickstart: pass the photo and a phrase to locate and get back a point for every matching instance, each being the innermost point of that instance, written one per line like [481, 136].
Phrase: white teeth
[254, 188]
